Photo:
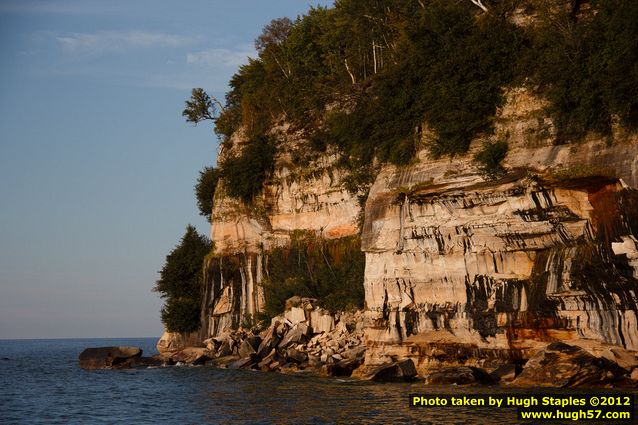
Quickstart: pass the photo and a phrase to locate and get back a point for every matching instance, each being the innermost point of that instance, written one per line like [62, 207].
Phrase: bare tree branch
[354, 80]
[480, 4]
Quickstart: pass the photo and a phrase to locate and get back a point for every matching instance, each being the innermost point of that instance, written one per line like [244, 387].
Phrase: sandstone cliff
[460, 270]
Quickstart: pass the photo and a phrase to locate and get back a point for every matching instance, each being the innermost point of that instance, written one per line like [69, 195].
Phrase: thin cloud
[104, 41]
[73, 7]
[220, 57]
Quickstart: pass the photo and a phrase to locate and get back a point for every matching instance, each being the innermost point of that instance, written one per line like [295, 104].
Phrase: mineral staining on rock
[498, 268]
[462, 274]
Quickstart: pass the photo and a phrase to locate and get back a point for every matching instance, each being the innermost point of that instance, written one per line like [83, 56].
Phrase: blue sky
[97, 165]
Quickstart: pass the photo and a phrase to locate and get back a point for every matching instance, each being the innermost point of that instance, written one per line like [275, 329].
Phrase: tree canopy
[369, 76]
[180, 282]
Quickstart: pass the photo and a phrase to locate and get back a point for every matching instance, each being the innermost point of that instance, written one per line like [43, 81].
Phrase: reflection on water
[41, 383]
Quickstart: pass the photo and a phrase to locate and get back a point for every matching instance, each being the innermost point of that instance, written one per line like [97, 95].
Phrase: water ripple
[42, 384]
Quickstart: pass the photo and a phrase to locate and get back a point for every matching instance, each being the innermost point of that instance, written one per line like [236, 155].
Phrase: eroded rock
[562, 365]
[460, 375]
[398, 371]
[108, 357]
[191, 356]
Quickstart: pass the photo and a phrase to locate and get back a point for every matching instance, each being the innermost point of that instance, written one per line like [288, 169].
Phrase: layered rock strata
[461, 271]
[308, 197]
[495, 270]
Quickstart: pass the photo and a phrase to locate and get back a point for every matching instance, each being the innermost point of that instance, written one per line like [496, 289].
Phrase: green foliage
[587, 66]
[181, 314]
[580, 172]
[329, 270]
[199, 107]
[205, 190]
[490, 158]
[180, 282]
[398, 63]
[245, 174]
[380, 80]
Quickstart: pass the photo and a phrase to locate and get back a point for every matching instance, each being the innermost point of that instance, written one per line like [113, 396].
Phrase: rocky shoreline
[306, 339]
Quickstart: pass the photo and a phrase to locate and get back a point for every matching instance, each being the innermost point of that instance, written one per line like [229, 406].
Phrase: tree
[271, 40]
[201, 107]
[205, 190]
[180, 282]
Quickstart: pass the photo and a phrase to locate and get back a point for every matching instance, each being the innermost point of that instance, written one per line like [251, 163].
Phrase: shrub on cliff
[205, 190]
[245, 173]
[330, 270]
[490, 158]
[450, 74]
[180, 282]
[586, 64]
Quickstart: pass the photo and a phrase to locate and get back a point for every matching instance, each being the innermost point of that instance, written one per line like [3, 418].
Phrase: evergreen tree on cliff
[180, 282]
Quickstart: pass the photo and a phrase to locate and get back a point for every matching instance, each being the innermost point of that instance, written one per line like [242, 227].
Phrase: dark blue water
[41, 383]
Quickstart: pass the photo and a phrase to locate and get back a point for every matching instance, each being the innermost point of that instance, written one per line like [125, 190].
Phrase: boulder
[292, 302]
[398, 371]
[344, 367]
[254, 341]
[357, 352]
[155, 361]
[269, 341]
[244, 363]
[624, 358]
[192, 356]
[321, 321]
[562, 365]
[171, 342]
[296, 355]
[298, 333]
[506, 373]
[108, 357]
[295, 315]
[460, 375]
[221, 362]
[225, 349]
[245, 349]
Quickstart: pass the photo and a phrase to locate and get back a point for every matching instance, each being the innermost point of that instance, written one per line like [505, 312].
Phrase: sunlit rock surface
[460, 270]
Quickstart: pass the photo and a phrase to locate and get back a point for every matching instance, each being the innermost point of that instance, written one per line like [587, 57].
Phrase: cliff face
[299, 197]
[458, 269]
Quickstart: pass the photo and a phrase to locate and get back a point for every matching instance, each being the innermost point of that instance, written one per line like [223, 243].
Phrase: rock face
[310, 198]
[108, 357]
[460, 271]
[463, 271]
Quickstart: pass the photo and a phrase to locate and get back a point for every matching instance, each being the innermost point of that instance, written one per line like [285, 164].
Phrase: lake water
[41, 383]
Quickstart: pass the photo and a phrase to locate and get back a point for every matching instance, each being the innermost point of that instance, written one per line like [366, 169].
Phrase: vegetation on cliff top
[180, 282]
[377, 79]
